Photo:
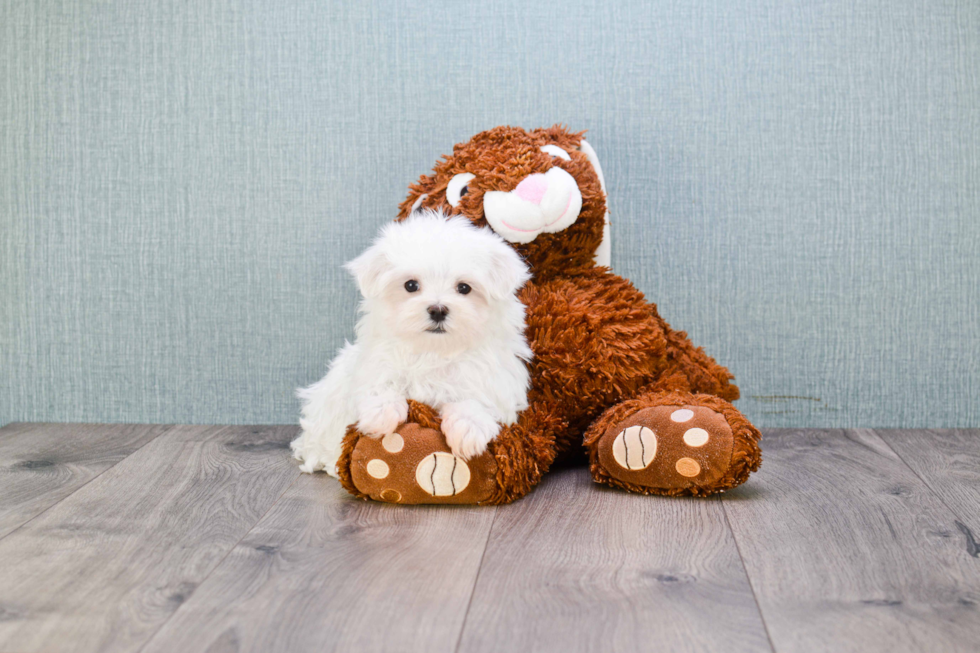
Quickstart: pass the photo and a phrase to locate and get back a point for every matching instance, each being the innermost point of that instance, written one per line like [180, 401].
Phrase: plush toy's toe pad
[668, 447]
[415, 465]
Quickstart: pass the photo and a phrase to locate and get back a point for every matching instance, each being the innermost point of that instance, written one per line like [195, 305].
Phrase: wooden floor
[192, 538]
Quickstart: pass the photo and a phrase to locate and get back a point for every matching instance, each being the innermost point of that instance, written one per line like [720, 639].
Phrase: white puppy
[441, 324]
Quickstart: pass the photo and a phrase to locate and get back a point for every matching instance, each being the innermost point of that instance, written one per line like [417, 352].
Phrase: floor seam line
[476, 580]
[220, 562]
[168, 429]
[748, 577]
[919, 476]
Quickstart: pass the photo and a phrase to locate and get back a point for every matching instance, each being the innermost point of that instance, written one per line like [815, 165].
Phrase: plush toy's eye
[457, 188]
[463, 288]
[554, 150]
[412, 285]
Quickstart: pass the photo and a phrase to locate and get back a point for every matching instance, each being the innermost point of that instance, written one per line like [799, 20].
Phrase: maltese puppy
[441, 324]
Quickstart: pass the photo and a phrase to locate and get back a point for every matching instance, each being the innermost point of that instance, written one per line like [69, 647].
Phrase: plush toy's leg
[673, 442]
[414, 465]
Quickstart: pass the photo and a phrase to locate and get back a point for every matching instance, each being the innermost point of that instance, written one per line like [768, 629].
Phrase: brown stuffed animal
[650, 409]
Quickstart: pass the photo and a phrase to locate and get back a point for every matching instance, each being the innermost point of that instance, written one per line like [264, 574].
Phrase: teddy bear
[611, 382]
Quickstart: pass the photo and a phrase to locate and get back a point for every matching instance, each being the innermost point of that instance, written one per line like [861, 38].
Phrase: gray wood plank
[579, 567]
[324, 571]
[948, 460]
[106, 567]
[41, 464]
[848, 550]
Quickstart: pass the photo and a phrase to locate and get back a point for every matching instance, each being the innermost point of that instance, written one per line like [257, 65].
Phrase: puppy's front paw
[468, 428]
[379, 415]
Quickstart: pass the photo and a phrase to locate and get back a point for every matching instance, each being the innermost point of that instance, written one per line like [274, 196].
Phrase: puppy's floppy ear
[369, 269]
[507, 270]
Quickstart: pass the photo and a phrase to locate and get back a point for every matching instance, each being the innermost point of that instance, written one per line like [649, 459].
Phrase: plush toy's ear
[507, 270]
[369, 270]
[603, 255]
[417, 194]
[418, 202]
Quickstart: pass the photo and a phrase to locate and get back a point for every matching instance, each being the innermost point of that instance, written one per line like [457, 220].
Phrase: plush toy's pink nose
[532, 188]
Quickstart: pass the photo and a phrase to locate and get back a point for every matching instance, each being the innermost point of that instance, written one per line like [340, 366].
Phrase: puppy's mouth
[437, 329]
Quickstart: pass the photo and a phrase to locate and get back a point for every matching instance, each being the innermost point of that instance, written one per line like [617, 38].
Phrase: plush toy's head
[541, 190]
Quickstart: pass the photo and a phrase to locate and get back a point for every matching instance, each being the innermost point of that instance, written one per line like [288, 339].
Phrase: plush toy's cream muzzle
[541, 203]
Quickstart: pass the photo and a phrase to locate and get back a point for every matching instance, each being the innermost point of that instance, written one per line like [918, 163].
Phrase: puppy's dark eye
[464, 190]
[463, 289]
[412, 285]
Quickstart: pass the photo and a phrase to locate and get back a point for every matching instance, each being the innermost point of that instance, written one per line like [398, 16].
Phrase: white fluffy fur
[474, 373]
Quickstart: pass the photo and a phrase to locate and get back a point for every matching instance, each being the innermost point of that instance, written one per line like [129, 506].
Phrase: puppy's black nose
[438, 312]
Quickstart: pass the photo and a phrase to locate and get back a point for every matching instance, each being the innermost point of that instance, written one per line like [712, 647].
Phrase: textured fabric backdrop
[796, 184]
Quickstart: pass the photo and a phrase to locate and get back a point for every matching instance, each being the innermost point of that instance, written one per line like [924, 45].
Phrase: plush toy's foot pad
[668, 448]
[415, 465]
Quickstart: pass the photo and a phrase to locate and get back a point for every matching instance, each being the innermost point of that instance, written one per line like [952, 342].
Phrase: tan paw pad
[393, 442]
[688, 467]
[682, 415]
[391, 496]
[696, 437]
[635, 448]
[442, 474]
[377, 468]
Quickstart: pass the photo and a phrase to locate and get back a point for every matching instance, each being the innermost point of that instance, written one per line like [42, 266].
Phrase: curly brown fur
[746, 454]
[595, 341]
[600, 347]
[525, 451]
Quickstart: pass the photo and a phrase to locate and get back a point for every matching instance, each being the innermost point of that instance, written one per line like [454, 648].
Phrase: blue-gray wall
[797, 184]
